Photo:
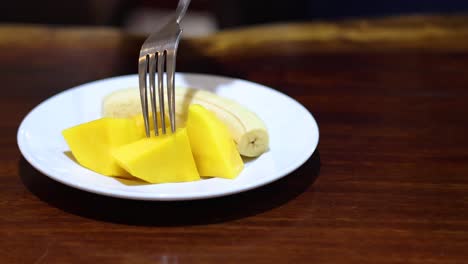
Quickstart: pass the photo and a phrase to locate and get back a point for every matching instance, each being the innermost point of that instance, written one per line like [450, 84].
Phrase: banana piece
[247, 129]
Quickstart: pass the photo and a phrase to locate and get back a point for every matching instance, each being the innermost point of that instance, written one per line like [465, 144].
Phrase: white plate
[293, 138]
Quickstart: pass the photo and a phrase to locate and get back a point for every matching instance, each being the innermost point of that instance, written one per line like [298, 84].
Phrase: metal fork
[159, 51]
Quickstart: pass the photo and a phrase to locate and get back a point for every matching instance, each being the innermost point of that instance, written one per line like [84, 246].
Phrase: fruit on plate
[92, 142]
[161, 159]
[246, 128]
[119, 147]
[213, 148]
[140, 123]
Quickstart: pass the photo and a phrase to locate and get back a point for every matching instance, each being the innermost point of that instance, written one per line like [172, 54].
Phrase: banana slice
[246, 128]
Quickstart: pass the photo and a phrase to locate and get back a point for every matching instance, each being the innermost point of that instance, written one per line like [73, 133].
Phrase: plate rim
[123, 194]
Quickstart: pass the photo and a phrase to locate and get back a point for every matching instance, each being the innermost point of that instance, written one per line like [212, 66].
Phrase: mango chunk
[140, 123]
[161, 159]
[91, 143]
[213, 148]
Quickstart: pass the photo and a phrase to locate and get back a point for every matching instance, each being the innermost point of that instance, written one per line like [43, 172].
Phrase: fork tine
[170, 71]
[152, 69]
[161, 90]
[142, 67]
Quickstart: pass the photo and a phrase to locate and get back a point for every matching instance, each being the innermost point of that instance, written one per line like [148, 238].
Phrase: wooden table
[388, 183]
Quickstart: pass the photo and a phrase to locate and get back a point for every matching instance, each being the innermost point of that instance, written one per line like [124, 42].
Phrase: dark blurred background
[208, 16]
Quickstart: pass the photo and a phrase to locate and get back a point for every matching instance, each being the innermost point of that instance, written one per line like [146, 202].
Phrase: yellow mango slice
[161, 159]
[92, 142]
[140, 123]
[213, 148]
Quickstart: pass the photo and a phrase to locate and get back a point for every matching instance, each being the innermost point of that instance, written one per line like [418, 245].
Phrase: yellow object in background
[161, 159]
[246, 128]
[213, 147]
[91, 143]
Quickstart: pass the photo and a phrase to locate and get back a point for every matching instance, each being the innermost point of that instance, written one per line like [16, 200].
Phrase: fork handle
[181, 9]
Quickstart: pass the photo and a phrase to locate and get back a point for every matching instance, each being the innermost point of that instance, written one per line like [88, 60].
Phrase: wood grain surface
[388, 183]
